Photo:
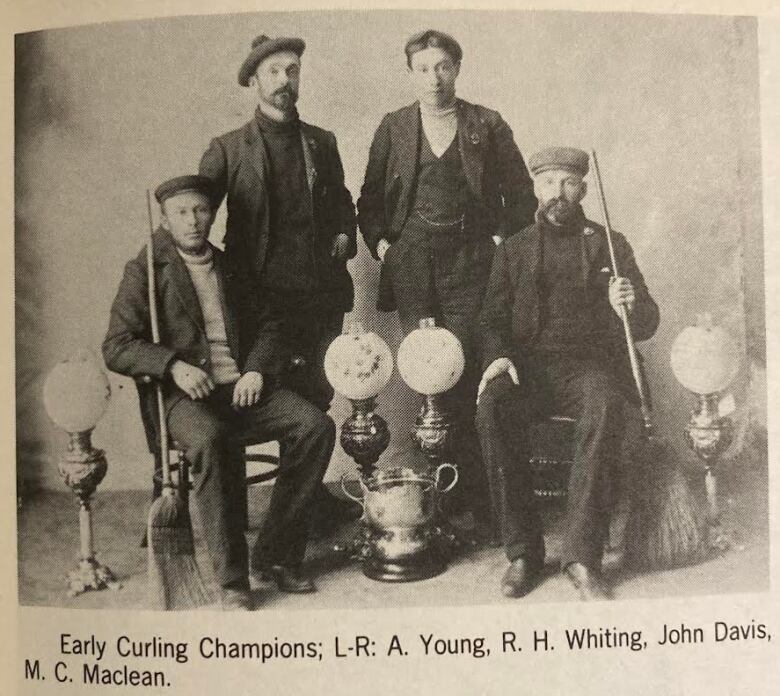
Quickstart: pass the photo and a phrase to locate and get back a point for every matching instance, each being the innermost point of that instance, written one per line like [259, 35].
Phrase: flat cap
[188, 182]
[436, 39]
[558, 157]
[264, 46]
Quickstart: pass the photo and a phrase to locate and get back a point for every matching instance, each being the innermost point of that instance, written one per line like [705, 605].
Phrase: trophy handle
[452, 483]
[357, 499]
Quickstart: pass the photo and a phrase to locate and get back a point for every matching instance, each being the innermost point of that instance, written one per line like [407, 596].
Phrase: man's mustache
[560, 207]
[285, 90]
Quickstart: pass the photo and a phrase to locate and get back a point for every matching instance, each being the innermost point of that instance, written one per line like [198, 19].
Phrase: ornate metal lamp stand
[365, 435]
[76, 394]
[709, 435]
[82, 469]
[432, 430]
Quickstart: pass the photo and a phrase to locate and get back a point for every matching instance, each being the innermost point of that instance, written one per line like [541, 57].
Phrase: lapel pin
[588, 231]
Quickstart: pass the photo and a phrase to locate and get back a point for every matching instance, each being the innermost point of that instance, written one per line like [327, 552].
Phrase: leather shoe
[236, 599]
[288, 579]
[587, 582]
[520, 578]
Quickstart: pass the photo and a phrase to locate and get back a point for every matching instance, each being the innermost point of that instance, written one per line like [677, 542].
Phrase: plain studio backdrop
[104, 112]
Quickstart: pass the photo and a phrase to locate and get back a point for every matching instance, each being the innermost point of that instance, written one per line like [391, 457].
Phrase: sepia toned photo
[388, 309]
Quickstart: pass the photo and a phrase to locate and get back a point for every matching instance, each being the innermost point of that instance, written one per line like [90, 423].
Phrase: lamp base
[91, 575]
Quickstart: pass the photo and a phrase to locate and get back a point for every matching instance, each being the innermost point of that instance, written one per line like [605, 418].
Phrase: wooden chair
[179, 465]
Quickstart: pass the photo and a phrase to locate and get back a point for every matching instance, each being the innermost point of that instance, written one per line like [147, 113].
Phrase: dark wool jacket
[238, 163]
[492, 164]
[510, 318]
[253, 334]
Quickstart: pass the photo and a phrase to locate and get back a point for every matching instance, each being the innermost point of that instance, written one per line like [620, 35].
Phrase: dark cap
[431, 38]
[262, 47]
[189, 182]
[570, 158]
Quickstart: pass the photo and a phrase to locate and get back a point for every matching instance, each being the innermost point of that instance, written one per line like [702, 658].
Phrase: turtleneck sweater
[289, 264]
[224, 369]
[575, 318]
[440, 126]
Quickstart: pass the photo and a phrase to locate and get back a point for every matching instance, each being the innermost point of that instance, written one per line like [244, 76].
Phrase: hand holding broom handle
[167, 485]
[632, 354]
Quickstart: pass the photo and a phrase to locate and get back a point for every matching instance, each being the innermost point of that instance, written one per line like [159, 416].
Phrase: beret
[559, 158]
[262, 47]
[433, 37]
[189, 182]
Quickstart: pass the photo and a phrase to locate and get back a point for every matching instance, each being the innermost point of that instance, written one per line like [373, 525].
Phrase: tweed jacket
[252, 332]
[510, 317]
[492, 164]
[238, 164]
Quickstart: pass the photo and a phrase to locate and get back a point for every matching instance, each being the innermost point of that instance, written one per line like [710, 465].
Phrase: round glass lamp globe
[76, 393]
[430, 360]
[704, 358]
[358, 364]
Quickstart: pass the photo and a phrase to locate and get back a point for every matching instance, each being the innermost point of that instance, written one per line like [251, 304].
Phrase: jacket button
[203, 361]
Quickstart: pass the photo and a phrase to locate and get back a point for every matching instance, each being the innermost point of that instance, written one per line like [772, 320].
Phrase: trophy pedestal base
[422, 568]
[91, 575]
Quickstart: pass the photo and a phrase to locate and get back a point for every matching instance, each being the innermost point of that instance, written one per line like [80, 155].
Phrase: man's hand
[621, 293]
[193, 381]
[381, 249]
[496, 368]
[340, 247]
[247, 390]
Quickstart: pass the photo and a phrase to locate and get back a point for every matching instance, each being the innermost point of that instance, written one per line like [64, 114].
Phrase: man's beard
[284, 99]
[559, 211]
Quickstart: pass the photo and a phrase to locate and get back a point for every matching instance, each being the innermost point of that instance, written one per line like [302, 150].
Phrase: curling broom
[665, 525]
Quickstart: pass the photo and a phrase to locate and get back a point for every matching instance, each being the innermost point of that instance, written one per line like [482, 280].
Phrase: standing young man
[445, 183]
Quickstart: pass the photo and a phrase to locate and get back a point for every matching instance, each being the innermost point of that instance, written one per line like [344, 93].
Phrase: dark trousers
[442, 272]
[311, 322]
[306, 438]
[584, 390]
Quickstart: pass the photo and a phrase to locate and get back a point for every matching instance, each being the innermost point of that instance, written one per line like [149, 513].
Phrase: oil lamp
[75, 395]
[358, 365]
[431, 361]
[705, 360]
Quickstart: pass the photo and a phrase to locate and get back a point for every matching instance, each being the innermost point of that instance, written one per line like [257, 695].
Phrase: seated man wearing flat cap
[290, 225]
[553, 343]
[218, 361]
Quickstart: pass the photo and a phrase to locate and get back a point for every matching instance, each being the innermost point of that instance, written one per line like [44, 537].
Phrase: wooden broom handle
[155, 322]
[630, 344]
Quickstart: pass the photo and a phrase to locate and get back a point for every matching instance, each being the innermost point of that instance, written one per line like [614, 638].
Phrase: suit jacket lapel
[472, 135]
[181, 281]
[594, 240]
[258, 153]
[310, 148]
[406, 141]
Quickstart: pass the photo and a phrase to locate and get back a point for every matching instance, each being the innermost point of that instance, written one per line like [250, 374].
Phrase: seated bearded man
[553, 343]
[218, 362]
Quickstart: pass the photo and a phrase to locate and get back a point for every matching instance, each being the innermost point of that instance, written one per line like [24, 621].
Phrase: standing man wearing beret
[290, 221]
[445, 183]
[554, 344]
[218, 364]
